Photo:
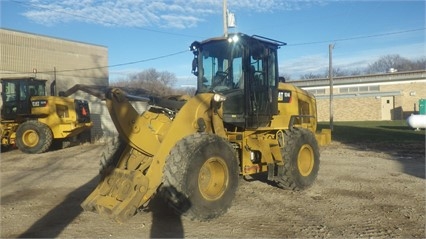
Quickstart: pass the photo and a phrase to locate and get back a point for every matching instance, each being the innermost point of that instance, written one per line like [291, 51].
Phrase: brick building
[391, 96]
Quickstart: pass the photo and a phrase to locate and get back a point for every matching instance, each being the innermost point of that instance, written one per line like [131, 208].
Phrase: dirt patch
[360, 192]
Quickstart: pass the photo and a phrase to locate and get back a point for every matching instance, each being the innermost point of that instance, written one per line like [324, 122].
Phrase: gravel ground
[361, 191]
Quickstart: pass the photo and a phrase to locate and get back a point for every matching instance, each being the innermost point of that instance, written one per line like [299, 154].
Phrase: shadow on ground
[54, 222]
[165, 222]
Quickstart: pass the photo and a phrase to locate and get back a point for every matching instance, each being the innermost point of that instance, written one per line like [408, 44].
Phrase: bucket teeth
[119, 195]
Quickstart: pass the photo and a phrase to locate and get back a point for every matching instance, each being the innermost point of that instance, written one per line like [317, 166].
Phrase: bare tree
[420, 64]
[185, 91]
[151, 80]
[311, 75]
[356, 72]
[385, 63]
[337, 71]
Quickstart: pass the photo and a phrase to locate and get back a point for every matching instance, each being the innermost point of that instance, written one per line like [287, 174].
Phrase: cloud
[315, 64]
[177, 14]
[347, 60]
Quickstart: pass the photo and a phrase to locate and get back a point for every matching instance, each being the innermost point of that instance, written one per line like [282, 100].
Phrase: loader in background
[241, 121]
[33, 121]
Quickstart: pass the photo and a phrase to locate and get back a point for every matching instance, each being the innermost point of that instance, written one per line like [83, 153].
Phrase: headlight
[233, 39]
[219, 98]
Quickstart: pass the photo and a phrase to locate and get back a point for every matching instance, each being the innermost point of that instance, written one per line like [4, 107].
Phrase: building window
[374, 88]
[353, 89]
[363, 88]
[317, 91]
[356, 89]
[344, 90]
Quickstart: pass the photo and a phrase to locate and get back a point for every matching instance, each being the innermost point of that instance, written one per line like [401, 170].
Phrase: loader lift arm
[95, 90]
[119, 107]
[102, 92]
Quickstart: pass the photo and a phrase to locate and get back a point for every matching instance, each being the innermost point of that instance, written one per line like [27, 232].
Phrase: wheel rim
[30, 138]
[305, 160]
[213, 178]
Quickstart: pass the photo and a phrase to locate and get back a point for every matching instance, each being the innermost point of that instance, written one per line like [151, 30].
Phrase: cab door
[261, 80]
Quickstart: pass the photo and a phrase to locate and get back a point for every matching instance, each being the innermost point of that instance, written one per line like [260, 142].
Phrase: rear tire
[200, 177]
[33, 137]
[301, 160]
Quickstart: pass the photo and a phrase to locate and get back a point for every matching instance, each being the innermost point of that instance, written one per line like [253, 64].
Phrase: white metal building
[63, 63]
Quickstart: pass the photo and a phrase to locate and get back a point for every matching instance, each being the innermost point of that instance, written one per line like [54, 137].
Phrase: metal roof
[375, 78]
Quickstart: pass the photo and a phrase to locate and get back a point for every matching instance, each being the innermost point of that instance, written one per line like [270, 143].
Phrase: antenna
[225, 20]
[231, 19]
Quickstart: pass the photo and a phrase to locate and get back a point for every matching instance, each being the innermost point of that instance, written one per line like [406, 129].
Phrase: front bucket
[118, 195]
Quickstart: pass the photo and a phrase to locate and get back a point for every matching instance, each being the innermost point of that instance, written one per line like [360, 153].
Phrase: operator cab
[245, 70]
[16, 96]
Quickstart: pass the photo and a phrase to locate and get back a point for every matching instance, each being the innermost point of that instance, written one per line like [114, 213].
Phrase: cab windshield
[220, 67]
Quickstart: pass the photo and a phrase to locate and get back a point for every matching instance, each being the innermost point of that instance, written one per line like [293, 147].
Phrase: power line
[356, 38]
[149, 59]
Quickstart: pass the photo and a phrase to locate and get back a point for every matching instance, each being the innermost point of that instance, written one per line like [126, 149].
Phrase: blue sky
[141, 30]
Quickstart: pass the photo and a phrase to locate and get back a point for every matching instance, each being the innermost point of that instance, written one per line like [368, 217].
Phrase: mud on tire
[200, 177]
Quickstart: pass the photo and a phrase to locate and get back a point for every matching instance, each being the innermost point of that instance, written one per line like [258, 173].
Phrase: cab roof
[251, 39]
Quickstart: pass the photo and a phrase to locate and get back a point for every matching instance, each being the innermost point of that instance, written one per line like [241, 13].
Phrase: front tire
[200, 177]
[33, 137]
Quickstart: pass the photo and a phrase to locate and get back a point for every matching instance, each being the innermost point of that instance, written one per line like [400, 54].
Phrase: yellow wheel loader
[33, 121]
[192, 150]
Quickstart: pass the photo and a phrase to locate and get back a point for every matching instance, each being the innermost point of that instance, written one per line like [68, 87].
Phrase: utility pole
[225, 19]
[330, 75]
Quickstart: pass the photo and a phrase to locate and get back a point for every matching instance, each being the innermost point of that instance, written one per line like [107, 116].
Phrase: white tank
[417, 121]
